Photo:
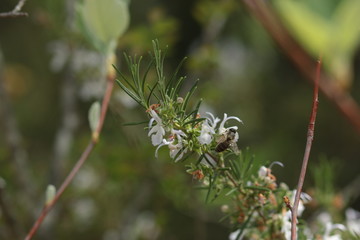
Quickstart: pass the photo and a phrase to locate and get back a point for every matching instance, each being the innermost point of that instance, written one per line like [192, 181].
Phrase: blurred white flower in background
[353, 221]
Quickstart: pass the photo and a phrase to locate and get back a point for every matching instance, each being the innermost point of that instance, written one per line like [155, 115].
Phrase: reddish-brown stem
[16, 12]
[79, 163]
[310, 137]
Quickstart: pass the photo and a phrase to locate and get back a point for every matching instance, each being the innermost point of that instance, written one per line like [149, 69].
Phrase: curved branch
[79, 163]
[16, 12]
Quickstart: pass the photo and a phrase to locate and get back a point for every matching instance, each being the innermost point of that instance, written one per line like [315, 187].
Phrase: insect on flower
[227, 140]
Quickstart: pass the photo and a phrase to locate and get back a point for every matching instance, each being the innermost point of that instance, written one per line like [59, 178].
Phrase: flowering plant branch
[257, 208]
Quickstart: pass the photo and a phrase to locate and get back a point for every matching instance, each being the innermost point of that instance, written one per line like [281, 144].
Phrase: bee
[227, 140]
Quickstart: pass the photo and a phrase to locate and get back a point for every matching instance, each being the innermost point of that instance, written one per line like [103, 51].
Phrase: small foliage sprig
[260, 208]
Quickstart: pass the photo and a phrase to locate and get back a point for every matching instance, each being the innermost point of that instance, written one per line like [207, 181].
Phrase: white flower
[353, 220]
[234, 235]
[156, 132]
[286, 225]
[263, 172]
[206, 135]
[304, 198]
[209, 125]
[222, 128]
[174, 148]
[329, 228]
[208, 129]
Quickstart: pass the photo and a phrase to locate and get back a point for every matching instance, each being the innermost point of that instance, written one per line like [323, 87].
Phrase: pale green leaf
[346, 34]
[50, 193]
[94, 116]
[103, 21]
[310, 28]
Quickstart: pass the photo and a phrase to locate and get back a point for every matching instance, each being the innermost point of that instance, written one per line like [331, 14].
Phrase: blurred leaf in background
[335, 36]
[102, 22]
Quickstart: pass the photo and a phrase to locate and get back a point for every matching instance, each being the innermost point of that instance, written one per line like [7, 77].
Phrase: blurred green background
[50, 76]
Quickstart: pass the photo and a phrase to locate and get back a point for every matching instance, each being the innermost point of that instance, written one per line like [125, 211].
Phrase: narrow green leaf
[234, 169]
[145, 75]
[226, 216]
[151, 93]
[131, 94]
[94, 116]
[135, 123]
[178, 153]
[199, 160]
[177, 88]
[217, 194]
[174, 76]
[130, 63]
[208, 161]
[243, 227]
[186, 156]
[195, 120]
[258, 188]
[197, 108]
[189, 94]
[124, 78]
[231, 191]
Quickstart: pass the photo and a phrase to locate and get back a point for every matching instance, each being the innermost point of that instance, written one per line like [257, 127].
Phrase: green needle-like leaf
[170, 84]
[135, 123]
[131, 94]
[189, 94]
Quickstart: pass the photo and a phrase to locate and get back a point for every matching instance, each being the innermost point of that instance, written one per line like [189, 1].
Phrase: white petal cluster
[353, 221]
[177, 139]
[208, 128]
[329, 227]
[156, 132]
[175, 144]
[222, 128]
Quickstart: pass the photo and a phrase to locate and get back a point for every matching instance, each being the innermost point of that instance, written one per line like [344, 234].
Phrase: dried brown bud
[153, 107]
[198, 174]
[287, 202]
[261, 198]
[241, 217]
[272, 199]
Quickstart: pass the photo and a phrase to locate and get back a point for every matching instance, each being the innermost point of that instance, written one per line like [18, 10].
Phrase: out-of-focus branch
[9, 219]
[305, 63]
[131, 211]
[16, 12]
[310, 137]
[14, 142]
[69, 121]
[80, 162]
